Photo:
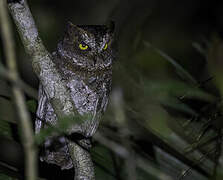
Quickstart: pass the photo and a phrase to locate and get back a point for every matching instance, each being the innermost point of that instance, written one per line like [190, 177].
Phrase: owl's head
[89, 47]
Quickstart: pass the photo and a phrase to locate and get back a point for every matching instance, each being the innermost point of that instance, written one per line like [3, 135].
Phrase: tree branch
[53, 84]
[41, 60]
[25, 121]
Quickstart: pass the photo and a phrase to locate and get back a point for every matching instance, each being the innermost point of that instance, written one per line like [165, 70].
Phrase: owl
[84, 60]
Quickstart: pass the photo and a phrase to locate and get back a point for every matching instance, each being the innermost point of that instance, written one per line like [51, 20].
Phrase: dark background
[173, 26]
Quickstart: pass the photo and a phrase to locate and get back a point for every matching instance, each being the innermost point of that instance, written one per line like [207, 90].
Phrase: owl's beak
[97, 61]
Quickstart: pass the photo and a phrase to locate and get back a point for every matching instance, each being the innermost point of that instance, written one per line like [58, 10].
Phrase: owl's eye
[83, 46]
[105, 47]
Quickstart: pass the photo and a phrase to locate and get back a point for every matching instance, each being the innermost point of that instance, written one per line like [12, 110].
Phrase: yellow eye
[105, 47]
[83, 47]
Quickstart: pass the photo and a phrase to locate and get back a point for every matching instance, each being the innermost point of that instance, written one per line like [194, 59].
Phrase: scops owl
[84, 59]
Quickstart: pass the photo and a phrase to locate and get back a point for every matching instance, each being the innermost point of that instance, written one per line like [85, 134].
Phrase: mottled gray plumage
[84, 59]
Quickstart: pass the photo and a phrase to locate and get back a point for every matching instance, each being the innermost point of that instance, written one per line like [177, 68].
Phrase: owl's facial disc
[88, 46]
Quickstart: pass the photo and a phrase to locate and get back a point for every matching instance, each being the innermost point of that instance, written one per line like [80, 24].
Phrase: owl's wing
[106, 91]
[40, 113]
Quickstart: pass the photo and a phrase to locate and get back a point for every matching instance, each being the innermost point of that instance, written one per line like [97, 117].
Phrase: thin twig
[120, 118]
[24, 117]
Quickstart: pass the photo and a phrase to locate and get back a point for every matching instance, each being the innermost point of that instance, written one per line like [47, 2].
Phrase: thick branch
[81, 158]
[53, 84]
[42, 63]
[25, 120]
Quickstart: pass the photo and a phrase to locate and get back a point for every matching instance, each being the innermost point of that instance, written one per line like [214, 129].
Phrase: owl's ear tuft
[74, 30]
[71, 28]
[70, 24]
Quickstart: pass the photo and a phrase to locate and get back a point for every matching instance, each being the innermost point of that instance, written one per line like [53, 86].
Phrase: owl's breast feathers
[84, 60]
[89, 91]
